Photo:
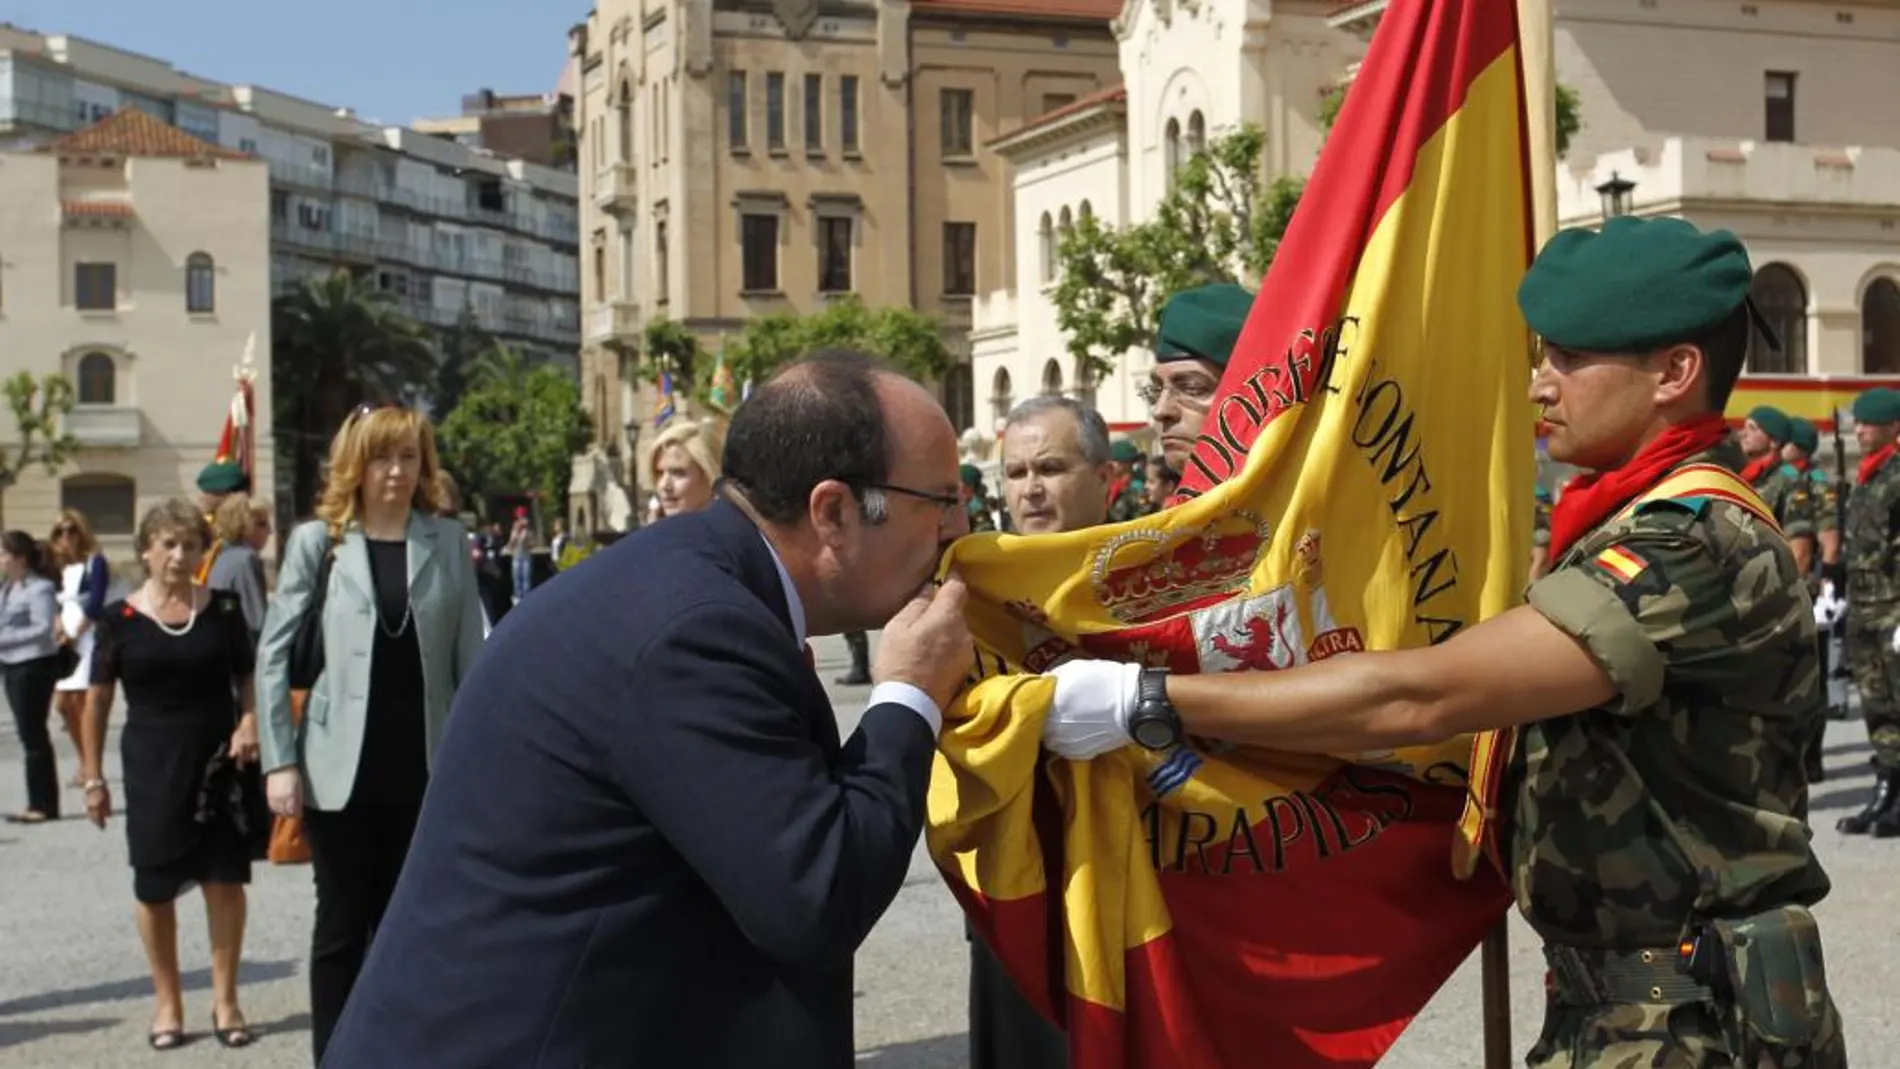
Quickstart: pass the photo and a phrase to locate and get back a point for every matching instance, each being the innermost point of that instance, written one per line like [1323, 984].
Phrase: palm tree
[337, 341]
[499, 365]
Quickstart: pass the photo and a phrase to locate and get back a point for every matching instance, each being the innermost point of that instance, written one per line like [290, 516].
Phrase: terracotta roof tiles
[131, 132]
[95, 209]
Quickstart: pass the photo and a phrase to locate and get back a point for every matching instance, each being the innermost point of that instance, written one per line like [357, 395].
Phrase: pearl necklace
[170, 629]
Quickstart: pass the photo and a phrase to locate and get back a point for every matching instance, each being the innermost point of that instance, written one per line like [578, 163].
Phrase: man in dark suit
[644, 844]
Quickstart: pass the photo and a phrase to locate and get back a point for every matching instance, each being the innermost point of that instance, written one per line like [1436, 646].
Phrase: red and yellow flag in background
[1365, 483]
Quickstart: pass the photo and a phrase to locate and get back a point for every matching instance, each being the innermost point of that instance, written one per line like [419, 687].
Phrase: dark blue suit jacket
[644, 844]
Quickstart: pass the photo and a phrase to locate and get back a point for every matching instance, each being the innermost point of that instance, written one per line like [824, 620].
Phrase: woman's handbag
[287, 843]
[306, 645]
[66, 660]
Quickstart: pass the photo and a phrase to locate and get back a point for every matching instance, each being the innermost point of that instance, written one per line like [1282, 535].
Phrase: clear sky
[394, 61]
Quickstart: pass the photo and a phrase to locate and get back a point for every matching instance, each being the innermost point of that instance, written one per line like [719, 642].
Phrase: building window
[1051, 378]
[625, 115]
[600, 265]
[1046, 239]
[848, 112]
[201, 285]
[1778, 87]
[958, 136]
[775, 111]
[758, 241]
[1880, 328]
[1783, 301]
[959, 397]
[834, 254]
[1000, 400]
[1084, 382]
[1173, 149]
[959, 259]
[1196, 135]
[736, 109]
[98, 380]
[814, 113]
[95, 287]
[662, 272]
[107, 501]
[1055, 101]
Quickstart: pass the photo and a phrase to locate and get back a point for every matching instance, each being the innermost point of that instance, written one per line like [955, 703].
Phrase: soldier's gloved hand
[1828, 606]
[1090, 714]
[1896, 640]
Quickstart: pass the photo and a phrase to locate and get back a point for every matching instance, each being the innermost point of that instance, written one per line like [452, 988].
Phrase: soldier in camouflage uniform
[1873, 603]
[1127, 488]
[975, 498]
[1662, 676]
[1799, 452]
[1540, 534]
[1786, 490]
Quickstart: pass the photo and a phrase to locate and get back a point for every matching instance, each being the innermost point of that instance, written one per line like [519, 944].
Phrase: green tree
[516, 435]
[457, 347]
[337, 341]
[911, 340]
[1219, 222]
[37, 408]
[669, 346]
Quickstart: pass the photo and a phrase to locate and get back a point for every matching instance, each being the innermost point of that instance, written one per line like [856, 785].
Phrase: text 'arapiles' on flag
[1365, 483]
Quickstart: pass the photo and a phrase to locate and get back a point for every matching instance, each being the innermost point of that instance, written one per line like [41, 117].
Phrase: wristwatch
[1154, 724]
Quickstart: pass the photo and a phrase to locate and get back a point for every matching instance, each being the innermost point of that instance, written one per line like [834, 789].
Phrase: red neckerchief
[1118, 487]
[1753, 471]
[1590, 499]
[1802, 465]
[1871, 463]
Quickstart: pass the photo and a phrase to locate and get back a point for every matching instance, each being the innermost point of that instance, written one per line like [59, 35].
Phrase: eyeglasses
[949, 503]
[1194, 391]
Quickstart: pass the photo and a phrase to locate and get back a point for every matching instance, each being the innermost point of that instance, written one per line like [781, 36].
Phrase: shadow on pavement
[1842, 798]
[941, 1052]
[14, 1033]
[1846, 748]
[296, 1022]
[251, 972]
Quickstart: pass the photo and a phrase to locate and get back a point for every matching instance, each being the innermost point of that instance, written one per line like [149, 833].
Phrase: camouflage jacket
[980, 517]
[1871, 549]
[1540, 524]
[1790, 494]
[1683, 799]
[1131, 503]
[1827, 499]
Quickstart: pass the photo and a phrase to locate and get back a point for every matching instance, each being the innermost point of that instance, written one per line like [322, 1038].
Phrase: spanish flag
[1364, 483]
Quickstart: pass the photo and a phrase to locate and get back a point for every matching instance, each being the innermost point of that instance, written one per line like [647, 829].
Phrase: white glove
[1895, 644]
[1090, 714]
[1828, 606]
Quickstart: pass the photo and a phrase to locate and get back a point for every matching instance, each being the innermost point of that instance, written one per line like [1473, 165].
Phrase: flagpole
[1536, 37]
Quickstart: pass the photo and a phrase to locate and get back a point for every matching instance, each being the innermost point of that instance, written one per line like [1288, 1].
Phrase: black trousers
[29, 687]
[356, 853]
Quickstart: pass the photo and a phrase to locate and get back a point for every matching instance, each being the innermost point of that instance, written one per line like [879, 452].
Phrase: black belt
[1589, 976]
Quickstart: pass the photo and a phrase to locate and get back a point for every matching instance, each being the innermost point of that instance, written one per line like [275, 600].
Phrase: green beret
[1124, 451]
[223, 477]
[971, 475]
[1878, 405]
[1634, 286]
[1804, 436]
[1773, 421]
[1203, 324]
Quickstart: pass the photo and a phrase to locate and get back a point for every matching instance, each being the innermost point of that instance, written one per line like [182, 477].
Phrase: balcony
[286, 173]
[1358, 17]
[103, 426]
[286, 232]
[615, 323]
[614, 187]
[1763, 175]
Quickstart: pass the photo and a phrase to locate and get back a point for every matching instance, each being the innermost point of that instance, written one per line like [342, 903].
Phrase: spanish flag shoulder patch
[1625, 564]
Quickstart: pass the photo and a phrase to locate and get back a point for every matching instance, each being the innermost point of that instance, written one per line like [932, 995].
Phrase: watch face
[1153, 732]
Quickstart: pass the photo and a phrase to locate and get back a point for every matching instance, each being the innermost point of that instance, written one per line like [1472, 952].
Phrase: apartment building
[536, 127]
[445, 227]
[743, 157]
[134, 260]
[1766, 118]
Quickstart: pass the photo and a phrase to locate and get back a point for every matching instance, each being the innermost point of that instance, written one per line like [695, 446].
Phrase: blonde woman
[685, 464]
[401, 624]
[184, 657]
[241, 528]
[84, 579]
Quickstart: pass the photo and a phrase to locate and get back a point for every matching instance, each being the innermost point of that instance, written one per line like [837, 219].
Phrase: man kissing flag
[1356, 488]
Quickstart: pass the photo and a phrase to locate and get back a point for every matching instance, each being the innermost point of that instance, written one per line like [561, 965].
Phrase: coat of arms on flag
[1220, 906]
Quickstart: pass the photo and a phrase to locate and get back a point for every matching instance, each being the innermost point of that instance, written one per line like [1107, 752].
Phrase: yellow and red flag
[1364, 483]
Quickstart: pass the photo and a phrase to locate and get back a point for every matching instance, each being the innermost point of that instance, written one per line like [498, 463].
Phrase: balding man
[644, 843]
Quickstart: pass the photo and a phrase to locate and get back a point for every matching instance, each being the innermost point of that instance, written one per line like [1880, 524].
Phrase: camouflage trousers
[1876, 671]
[1689, 1035]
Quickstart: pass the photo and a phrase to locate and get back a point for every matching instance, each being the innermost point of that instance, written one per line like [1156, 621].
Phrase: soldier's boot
[1816, 770]
[860, 672]
[1886, 793]
[1887, 825]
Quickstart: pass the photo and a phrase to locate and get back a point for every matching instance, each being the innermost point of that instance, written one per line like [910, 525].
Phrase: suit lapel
[352, 563]
[421, 538]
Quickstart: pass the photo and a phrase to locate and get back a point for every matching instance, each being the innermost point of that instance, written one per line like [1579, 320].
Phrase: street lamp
[1616, 195]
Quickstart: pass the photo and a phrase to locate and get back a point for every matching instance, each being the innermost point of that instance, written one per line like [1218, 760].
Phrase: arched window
[1084, 382]
[1065, 223]
[1000, 400]
[1777, 291]
[1052, 378]
[626, 122]
[201, 283]
[1196, 135]
[1046, 234]
[98, 377]
[1880, 328]
[107, 501]
[1085, 212]
[1173, 149]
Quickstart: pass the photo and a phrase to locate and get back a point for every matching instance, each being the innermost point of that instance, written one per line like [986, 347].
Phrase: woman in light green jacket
[401, 624]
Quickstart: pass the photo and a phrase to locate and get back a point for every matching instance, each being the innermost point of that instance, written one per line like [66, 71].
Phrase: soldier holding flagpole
[231, 468]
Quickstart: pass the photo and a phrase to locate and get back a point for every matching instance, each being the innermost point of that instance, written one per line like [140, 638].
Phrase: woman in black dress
[184, 655]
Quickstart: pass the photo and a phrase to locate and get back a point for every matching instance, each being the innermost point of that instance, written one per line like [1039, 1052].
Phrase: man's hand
[1090, 714]
[927, 644]
[283, 791]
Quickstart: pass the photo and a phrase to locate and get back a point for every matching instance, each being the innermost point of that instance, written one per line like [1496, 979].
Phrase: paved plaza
[74, 992]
